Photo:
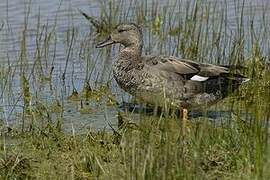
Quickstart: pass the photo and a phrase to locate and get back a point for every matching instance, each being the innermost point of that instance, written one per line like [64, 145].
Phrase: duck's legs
[184, 131]
[184, 120]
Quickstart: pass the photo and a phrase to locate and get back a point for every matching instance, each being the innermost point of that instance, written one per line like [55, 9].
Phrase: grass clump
[151, 149]
[14, 166]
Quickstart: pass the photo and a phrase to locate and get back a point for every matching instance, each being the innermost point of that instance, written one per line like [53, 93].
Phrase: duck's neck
[131, 53]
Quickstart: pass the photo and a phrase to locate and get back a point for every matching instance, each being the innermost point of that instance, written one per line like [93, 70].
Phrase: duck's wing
[190, 69]
[173, 65]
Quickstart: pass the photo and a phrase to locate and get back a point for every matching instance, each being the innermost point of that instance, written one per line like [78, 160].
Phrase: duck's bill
[107, 42]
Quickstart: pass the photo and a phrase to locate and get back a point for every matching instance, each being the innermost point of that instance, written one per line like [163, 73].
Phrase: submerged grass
[153, 147]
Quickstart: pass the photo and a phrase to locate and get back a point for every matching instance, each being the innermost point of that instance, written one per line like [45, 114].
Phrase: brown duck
[161, 80]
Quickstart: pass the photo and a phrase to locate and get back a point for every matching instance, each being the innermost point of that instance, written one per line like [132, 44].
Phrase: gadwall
[159, 80]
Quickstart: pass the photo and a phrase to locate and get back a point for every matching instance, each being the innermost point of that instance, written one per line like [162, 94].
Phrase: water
[65, 15]
[59, 17]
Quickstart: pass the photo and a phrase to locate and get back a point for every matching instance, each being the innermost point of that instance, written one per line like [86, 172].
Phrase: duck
[161, 79]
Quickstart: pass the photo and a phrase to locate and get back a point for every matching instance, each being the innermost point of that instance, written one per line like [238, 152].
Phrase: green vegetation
[141, 147]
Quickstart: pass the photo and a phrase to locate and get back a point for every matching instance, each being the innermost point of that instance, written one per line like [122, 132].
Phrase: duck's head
[129, 35]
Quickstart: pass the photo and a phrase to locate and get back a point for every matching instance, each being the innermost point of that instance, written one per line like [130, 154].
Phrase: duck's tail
[236, 80]
[244, 80]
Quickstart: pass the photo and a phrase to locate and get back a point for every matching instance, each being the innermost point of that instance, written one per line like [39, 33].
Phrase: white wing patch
[198, 78]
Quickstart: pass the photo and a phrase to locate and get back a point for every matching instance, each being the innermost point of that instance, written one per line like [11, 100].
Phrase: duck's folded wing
[170, 64]
[210, 71]
[190, 69]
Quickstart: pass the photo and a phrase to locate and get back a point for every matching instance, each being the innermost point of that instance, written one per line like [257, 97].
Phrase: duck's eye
[121, 30]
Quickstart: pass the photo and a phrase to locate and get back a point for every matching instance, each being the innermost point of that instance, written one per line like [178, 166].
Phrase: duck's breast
[125, 76]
